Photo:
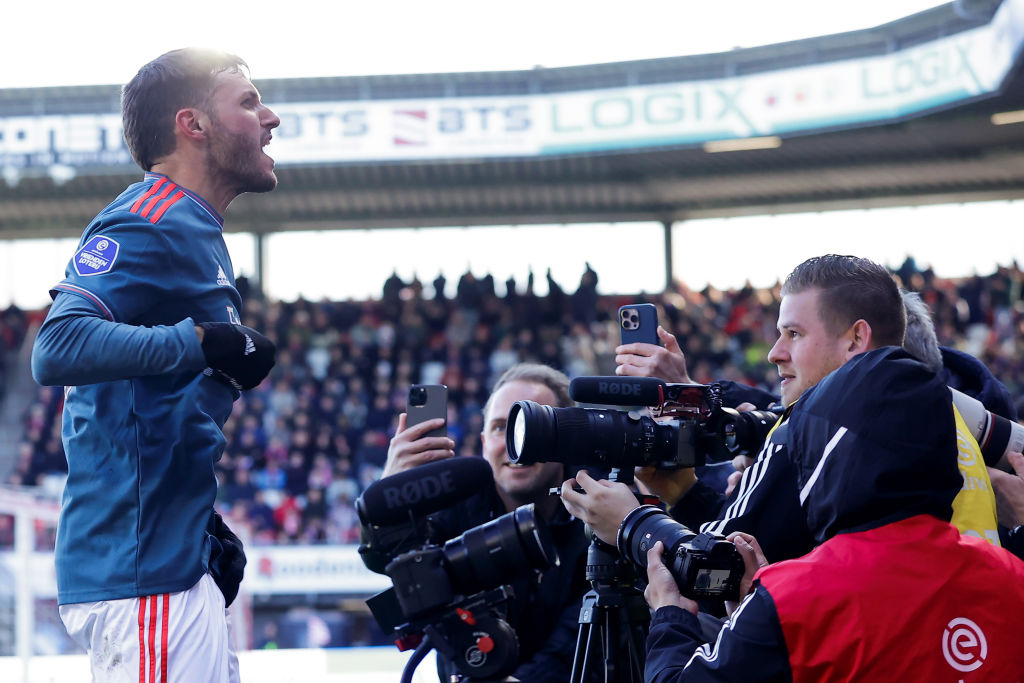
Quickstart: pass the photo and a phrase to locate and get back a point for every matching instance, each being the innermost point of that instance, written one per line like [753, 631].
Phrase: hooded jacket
[893, 591]
[763, 504]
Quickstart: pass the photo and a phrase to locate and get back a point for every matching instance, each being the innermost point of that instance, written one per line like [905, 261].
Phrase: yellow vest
[974, 508]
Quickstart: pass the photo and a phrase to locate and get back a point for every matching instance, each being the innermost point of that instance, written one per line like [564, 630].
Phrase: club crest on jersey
[97, 256]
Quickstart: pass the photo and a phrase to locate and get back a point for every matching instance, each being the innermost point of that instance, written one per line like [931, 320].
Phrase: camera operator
[833, 308]
[873, 447]
[545, 611]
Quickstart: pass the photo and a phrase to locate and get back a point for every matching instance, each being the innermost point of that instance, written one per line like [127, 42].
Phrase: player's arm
[77, 344]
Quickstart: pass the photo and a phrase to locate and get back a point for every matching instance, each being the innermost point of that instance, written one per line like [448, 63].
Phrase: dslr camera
[449, 595]
[705, 566]
[697, 428]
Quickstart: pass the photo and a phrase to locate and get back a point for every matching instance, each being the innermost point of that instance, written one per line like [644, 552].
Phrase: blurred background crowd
[304, 444]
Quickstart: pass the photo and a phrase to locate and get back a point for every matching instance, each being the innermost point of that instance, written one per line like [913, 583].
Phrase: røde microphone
[619, 391]
[422, 490]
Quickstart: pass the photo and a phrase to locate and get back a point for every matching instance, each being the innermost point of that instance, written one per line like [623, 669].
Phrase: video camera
[449, 594]
[700, 428]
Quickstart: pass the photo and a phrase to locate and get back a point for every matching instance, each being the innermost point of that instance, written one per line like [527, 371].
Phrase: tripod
[614, 609]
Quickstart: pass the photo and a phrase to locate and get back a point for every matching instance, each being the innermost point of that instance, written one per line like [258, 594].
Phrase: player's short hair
[174, 80]
[851, 289]
[535, 373]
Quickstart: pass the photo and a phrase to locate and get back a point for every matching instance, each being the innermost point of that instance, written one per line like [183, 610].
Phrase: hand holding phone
[426, 402]
[638, 323]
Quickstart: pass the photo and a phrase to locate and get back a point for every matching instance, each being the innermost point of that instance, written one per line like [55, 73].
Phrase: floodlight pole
[669, 276]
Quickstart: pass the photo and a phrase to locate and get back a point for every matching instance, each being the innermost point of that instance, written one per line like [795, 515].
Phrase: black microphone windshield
[422, 490]
[614, 390]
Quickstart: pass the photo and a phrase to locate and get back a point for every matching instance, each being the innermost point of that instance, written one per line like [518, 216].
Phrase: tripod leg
[611, 642]
[582, 655]
[637, 650]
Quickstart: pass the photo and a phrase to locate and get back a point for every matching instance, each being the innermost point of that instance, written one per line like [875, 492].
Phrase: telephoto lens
[705, 566]
[598, 437]
[499, 551]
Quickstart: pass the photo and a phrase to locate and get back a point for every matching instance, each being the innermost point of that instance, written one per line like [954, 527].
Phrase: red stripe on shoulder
[152, 202]
[166, 205]
[149, 193]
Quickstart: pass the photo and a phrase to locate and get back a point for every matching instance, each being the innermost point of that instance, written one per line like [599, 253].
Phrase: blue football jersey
[141, 447]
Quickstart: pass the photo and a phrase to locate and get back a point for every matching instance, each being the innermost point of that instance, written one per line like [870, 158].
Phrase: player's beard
[240, 163]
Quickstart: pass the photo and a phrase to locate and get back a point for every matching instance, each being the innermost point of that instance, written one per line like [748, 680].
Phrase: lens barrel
[744, 432]
[645, 526]
[499, 551]
[597, 437]
[704, 566]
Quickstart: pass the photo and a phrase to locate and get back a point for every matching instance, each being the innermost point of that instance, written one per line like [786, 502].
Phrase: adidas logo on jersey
[249, 346]
[222, 279]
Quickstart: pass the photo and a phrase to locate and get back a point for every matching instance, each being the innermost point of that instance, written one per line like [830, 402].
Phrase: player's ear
[191, 124]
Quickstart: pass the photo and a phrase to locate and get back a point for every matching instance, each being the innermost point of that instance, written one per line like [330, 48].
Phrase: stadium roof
[945, 156]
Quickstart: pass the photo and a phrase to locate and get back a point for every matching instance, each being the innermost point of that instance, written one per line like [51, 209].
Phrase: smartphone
[638, 323]
[427, 401]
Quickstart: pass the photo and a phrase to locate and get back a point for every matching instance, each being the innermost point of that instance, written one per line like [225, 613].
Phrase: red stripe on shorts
[152, 638]
[142, 640]
[163, 641]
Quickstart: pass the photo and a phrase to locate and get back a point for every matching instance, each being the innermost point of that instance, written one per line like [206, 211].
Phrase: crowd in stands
[13, 326]
[304, 444]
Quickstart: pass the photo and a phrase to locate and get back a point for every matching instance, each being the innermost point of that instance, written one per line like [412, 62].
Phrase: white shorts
[169, 638]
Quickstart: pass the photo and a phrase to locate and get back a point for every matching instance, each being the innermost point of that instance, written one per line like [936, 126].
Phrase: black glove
[227, 564]
[237, 355]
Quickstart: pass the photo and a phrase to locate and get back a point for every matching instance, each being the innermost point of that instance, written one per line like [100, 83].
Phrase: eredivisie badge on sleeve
[96, 257]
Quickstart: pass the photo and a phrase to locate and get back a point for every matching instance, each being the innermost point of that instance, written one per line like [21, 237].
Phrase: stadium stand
[304, 444]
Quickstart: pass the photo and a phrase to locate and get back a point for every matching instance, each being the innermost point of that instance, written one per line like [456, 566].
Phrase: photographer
[888, 569]
[833, 308]
[545, 610]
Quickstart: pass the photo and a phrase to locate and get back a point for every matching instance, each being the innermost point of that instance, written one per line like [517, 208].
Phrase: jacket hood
[964, 372]
[874, 442]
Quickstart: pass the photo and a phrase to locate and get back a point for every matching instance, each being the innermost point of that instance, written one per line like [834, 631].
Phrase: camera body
[705, 566]
[455, 592]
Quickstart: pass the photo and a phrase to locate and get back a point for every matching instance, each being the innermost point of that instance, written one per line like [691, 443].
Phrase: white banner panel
[860, 91]
[275, 570]
[272, 570]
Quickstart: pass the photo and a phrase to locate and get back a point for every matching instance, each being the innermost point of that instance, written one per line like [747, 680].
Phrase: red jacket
[908, 601]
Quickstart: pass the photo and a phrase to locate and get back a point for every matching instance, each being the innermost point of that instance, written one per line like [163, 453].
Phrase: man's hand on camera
[237, 355]
[650, 360]
[753, 561]
[662, 590]
[409, 449]
[603, 507]
[668, 485]
[1009, 490]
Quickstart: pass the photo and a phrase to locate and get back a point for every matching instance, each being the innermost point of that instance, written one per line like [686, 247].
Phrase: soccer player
[144, 332]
